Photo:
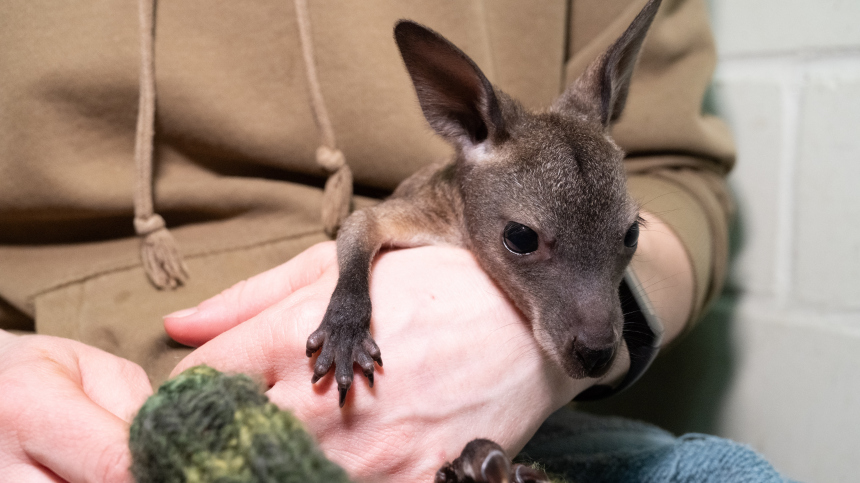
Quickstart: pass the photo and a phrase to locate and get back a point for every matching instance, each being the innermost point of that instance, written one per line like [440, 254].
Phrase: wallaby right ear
[601, 91]
[457, 99]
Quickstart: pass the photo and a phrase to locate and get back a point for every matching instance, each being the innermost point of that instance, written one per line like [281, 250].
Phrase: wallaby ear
[601, 91]
[457, 99]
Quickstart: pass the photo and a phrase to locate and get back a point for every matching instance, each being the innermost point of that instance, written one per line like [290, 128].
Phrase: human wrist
[665, 272]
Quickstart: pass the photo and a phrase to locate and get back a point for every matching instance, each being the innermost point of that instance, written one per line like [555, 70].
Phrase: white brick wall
[757, 26]
[788, 82]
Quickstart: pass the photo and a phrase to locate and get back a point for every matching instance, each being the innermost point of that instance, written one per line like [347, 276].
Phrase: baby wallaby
[540, 199]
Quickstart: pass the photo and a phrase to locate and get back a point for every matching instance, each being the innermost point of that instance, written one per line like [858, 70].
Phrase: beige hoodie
[235, 174]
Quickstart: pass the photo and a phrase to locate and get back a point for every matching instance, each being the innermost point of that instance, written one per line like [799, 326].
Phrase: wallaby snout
[584, 336]
[595, 361]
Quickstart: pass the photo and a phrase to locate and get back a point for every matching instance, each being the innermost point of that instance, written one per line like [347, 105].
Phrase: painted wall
[788, 82]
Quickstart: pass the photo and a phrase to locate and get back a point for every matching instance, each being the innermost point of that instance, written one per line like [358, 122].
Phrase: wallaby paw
[484, 461]
[526, 474]
[343, 345]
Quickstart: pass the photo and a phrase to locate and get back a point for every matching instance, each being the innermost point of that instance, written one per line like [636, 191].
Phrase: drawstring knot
[330, 159]
[146, 226]
[337, 194]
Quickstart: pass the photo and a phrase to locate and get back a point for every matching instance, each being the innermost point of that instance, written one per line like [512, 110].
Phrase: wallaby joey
[540, 199]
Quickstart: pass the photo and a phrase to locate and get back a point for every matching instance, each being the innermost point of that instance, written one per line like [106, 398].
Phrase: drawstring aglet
[161, 259]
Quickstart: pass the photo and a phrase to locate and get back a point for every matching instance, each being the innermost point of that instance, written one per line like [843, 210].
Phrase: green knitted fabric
[206, 426]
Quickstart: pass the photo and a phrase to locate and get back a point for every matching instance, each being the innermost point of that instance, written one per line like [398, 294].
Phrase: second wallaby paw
[484, 461]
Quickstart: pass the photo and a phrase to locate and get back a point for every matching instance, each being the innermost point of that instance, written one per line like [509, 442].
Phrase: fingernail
[181, 313]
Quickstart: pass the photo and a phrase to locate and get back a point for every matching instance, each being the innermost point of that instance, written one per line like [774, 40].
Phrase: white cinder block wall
[788, 83]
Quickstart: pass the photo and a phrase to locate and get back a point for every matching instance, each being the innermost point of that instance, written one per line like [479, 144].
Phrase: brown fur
[557, 171]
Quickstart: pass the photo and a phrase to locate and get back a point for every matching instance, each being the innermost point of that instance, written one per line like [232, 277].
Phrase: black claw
[315, 379]
[309, 352]
[342, 391]
[379, 361]
[446, 474]
[370, 378]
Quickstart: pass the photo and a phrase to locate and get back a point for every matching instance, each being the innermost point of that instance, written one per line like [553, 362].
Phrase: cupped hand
[65, 411]
[460, 360]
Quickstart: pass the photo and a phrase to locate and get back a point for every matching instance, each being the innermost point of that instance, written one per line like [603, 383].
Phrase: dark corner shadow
[684, 389]
[11, 318]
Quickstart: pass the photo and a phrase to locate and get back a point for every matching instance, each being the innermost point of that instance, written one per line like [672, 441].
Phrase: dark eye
[632, 236]
[519, 238]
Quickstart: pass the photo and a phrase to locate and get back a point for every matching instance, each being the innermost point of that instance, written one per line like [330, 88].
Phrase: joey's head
[545, 197]
[550, 218]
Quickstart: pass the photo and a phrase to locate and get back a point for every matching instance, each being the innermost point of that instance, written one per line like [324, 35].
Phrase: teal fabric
[583, 447]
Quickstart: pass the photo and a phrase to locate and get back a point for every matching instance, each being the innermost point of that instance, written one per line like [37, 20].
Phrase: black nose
[595, 360]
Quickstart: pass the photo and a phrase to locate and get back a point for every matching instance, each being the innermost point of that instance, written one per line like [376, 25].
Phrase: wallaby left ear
[457, 99]
[601, 91]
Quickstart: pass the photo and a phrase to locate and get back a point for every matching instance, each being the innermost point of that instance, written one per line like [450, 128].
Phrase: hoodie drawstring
[161, 259]
[158, 251]
[337, 194]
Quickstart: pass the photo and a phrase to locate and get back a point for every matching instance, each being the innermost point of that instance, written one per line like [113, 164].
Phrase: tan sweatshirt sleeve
[678, 156]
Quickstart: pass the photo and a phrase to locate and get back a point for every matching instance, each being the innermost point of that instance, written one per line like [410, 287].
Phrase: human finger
[124, 388]
[76, 439]
[248, 298]
[50, 427]
[30, 473]
[270, 342]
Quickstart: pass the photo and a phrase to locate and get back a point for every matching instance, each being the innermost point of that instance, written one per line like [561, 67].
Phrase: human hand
[460, 361]
[65, 411]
